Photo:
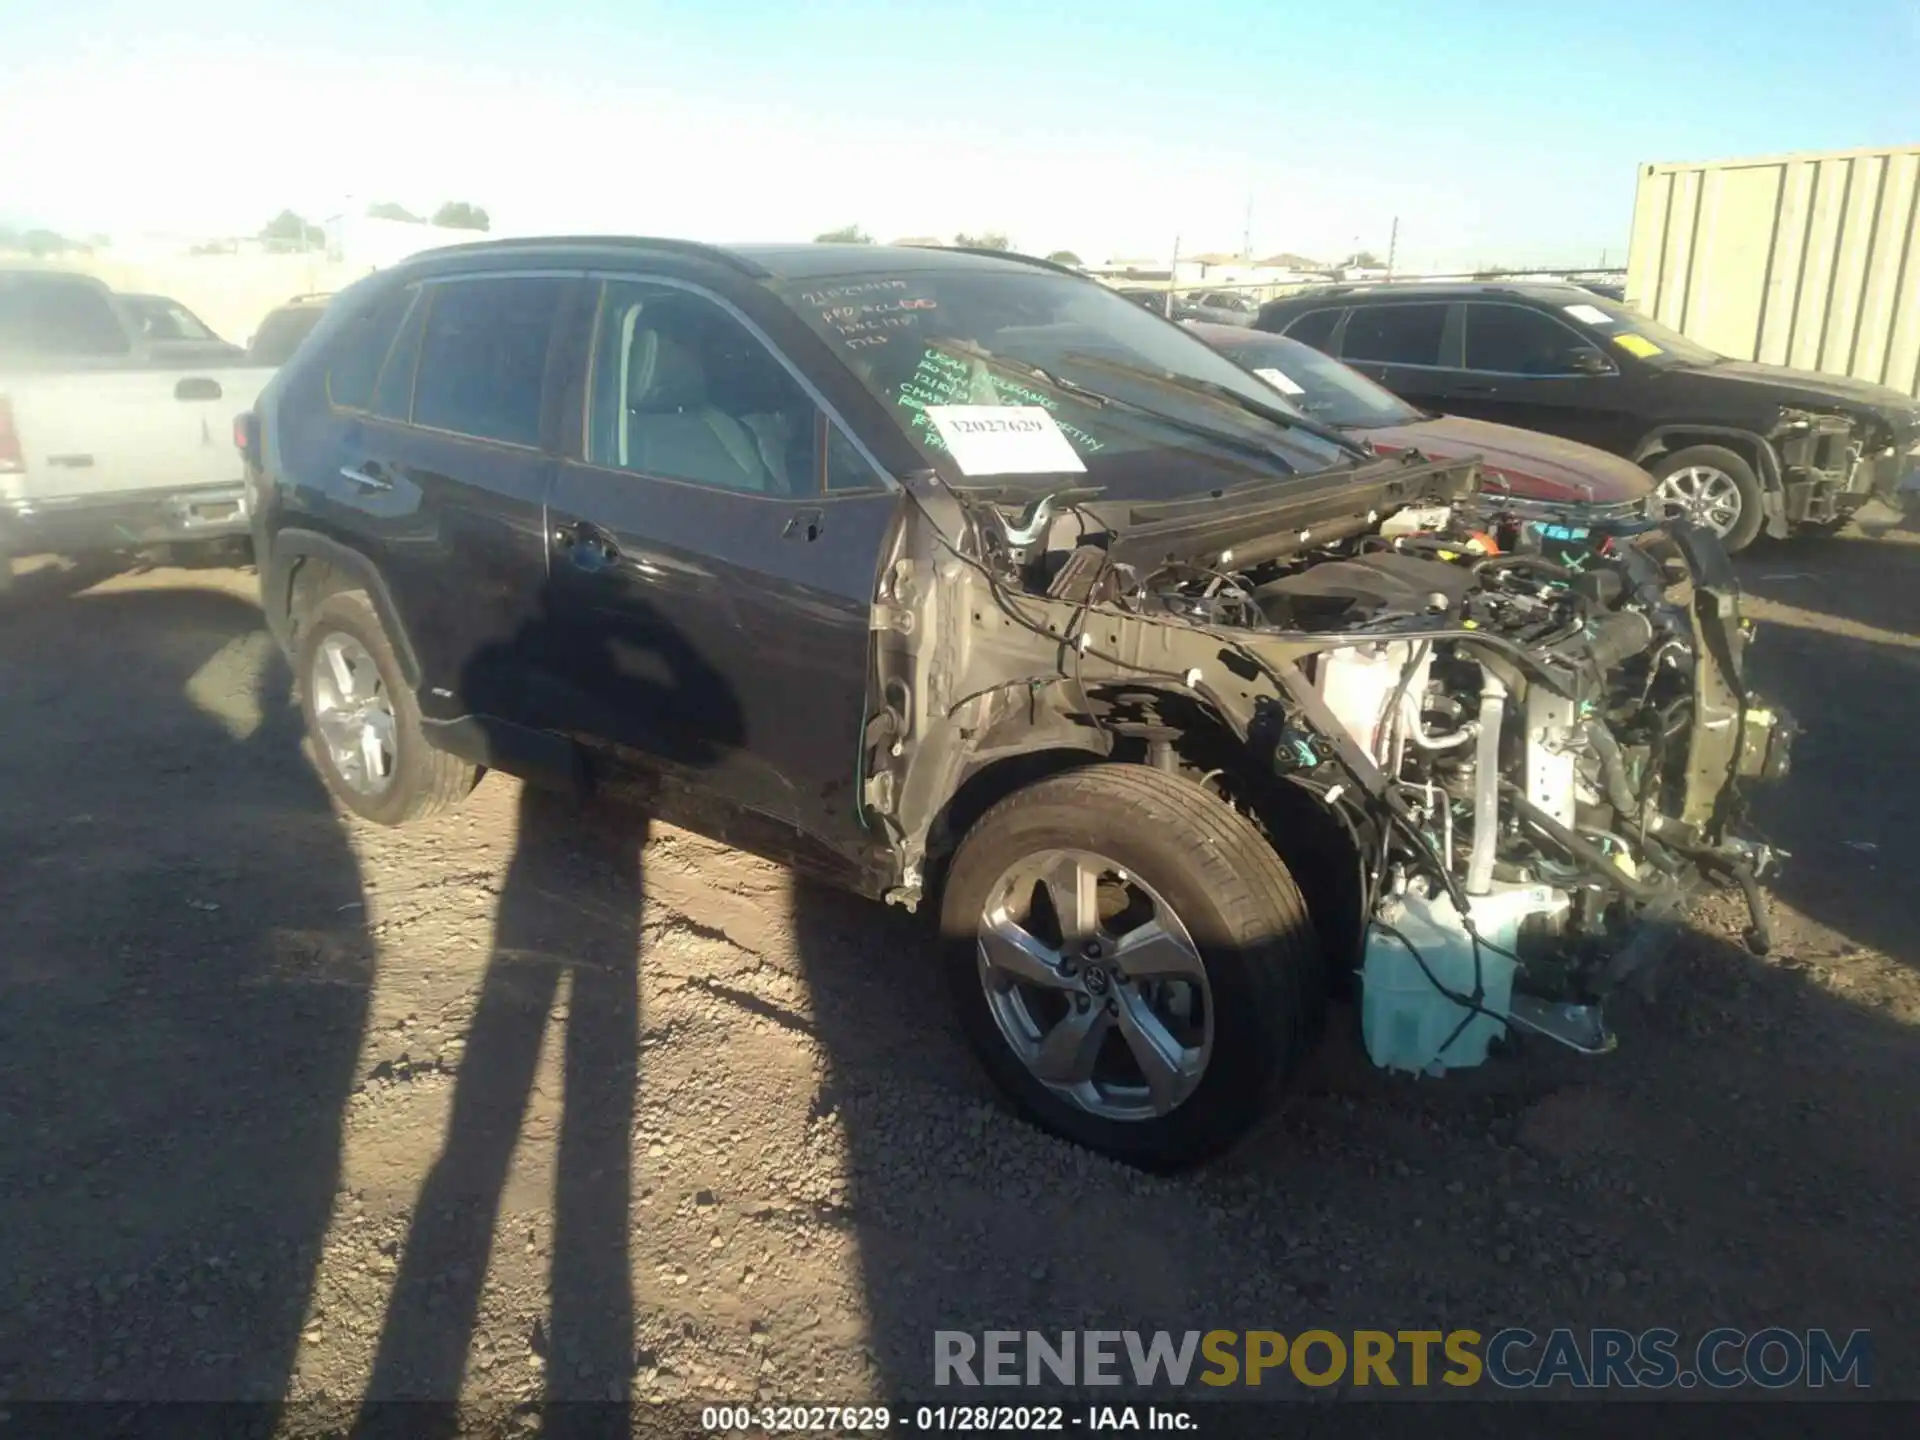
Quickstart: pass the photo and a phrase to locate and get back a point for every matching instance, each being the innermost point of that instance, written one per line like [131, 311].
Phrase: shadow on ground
[185, 982]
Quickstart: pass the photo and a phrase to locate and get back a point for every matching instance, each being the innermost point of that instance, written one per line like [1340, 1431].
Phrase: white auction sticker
[1592, 314]
[1004, 440]
[1280, 382]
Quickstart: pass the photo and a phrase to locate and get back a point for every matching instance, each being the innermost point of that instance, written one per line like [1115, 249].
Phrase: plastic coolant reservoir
[1358, 684]
[1406, 1022]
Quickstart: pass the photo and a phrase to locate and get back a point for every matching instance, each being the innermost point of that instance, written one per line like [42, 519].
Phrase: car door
[1404, 345]
[442, 478]
[1521, 366]
[714, 556]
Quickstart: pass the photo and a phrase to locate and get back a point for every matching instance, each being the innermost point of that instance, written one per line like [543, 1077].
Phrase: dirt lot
[526, 1102]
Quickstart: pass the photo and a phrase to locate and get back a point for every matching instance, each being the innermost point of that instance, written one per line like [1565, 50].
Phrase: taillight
[246, 436]
[12, 460]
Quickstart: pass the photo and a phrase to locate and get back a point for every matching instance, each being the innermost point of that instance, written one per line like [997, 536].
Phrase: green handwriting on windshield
[943, 379]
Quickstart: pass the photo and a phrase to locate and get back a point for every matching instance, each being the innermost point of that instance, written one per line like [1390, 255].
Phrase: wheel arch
[303, 566]
[1213, 753]
[1749, 445]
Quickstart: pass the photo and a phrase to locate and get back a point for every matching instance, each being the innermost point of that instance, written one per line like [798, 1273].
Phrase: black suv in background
[1737, 447]
[958, 577]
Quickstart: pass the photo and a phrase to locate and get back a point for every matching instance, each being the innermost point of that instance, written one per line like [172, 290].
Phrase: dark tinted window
[281, 332]
[684, 391]
[1514, 340]
[483, 361]
[846, 469]
[55, 316]
[1397, 334]
[393, 395]
[355, 351]
[1314, 328]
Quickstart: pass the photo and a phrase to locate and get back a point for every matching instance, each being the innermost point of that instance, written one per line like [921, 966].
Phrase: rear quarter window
[356, 350]
[1315, 328]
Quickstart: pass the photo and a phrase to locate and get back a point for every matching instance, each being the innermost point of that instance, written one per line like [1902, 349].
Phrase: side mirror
[1585, 360]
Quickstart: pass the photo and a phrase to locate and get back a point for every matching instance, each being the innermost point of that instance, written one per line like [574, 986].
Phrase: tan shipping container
[1803, 260]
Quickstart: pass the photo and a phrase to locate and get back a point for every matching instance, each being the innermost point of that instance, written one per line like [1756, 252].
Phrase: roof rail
[1015, 255]
[719, 255]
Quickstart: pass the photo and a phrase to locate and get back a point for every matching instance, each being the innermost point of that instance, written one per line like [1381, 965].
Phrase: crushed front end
[1529, 762]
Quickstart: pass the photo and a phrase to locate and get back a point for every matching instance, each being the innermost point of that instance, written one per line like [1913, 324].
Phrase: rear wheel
[1714, 488]
[1132, 962]
[364, 722]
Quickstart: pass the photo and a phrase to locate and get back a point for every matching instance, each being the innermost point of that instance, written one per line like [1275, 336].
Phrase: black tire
[425, 780]
[1238, 902]
[1734, 467]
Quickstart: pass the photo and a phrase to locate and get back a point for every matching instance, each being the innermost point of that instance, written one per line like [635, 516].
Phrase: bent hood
[1535, 466]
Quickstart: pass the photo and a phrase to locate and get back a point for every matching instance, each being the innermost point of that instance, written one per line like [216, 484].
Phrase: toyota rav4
[967, 583]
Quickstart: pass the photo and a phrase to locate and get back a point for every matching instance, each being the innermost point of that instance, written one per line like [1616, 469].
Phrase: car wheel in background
[363, 720]
[1714, 488]
[1131, 961]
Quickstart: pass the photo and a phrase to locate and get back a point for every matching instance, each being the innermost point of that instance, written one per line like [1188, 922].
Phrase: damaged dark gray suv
[962, 581]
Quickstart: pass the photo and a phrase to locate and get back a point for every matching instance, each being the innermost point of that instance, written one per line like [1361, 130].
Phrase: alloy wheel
[1096, 985]
[1707, 496]
[354, 714]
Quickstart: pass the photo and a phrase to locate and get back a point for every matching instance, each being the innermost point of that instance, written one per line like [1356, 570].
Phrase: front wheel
[1714, 488]
[1131, 961]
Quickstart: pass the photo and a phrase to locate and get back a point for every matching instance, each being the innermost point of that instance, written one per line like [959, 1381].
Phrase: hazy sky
[1503, 132]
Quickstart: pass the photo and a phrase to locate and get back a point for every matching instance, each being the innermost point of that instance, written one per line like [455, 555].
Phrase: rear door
[715, 553]
[440, 476]
[1408, 346]
[1521, 368]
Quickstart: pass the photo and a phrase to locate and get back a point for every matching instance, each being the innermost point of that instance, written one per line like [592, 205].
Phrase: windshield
[1318, 385]
[934, 344]
[1638, 335]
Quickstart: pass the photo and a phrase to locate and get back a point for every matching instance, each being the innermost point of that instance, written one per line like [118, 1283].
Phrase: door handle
[587, 547]
[197, 387]
[367, 477]
[1476, 390]
[804, 525]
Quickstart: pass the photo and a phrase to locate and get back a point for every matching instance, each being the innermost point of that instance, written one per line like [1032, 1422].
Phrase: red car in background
[1543, 475]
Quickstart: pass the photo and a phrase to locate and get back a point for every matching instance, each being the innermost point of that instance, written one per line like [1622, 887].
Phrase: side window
[1395, 334]
[847, 470]
[47, 315]
[1314, 328]
[682, 390]
[483, 357]
[393, 394]
[357, 348]
[1513, 340]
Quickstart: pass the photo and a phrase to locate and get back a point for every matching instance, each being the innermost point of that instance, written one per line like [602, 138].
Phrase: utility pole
[1173, 275]
[1246, 236]
[1393, 245]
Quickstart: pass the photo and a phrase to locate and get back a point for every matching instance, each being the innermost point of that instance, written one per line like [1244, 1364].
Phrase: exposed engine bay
[1530, 753]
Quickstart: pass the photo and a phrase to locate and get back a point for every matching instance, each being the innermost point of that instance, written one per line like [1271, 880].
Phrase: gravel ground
[528, 1102]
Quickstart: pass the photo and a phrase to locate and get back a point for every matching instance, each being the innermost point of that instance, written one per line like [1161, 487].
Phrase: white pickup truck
[111, 440]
